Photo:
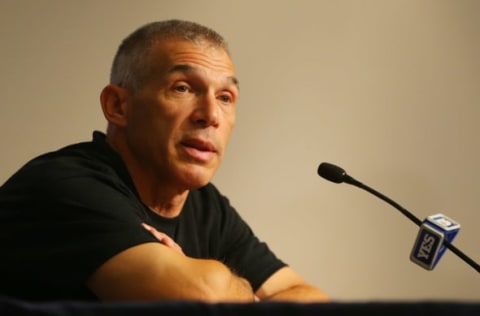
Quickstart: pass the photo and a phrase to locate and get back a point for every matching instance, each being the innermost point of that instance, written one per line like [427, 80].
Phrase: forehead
[180, 54]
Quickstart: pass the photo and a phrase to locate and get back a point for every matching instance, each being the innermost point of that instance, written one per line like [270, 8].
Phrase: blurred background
[389, 90]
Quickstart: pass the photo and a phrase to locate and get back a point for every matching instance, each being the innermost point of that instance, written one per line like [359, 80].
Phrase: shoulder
[86, 159]
[86, 174]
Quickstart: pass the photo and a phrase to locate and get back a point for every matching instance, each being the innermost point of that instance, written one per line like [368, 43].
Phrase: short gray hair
[131, 68]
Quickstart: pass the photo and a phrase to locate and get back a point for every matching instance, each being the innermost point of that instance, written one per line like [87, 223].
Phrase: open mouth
[199, 149]
[199, 145]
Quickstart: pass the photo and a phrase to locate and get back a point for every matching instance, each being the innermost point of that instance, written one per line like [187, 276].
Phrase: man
[132, 215]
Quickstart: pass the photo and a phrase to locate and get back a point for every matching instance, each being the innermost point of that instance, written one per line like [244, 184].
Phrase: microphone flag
[429, 245]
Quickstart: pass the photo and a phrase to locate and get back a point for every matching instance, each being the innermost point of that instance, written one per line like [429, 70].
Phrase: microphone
[336, 174]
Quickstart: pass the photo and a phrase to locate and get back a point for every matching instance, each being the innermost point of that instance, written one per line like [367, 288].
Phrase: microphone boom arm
[338, 175]
[413, 218]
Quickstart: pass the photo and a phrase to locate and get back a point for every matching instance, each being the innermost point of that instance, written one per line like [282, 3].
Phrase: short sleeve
[245, 254]
[62, 222]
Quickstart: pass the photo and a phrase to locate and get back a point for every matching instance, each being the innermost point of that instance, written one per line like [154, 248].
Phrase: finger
[171, 243]
[163, 238]
[160, 236]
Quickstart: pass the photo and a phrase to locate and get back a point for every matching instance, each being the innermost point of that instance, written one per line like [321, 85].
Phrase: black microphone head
[331, 172]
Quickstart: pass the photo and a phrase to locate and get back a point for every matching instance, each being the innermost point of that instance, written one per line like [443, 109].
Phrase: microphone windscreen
[331, 172]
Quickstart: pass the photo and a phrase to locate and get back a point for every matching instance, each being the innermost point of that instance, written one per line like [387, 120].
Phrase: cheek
[227, 131]
[140, 115]
[230, 123]
[154, 116]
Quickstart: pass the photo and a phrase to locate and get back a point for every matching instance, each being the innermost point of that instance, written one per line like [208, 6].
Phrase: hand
[163, 238]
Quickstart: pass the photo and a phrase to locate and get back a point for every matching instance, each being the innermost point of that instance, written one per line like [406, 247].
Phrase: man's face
[179, 122]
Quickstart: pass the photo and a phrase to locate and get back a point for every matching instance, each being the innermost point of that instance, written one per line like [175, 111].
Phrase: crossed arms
[154, 271]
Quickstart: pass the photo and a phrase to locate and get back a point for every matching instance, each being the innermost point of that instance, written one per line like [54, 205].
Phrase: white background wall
[390, 90]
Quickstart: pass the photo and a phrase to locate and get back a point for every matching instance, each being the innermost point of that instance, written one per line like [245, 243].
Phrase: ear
[113, 99]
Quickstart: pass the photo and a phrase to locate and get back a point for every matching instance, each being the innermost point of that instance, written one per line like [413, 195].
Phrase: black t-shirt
[66, 212]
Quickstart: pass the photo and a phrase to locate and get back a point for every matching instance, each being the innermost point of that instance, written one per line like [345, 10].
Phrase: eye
[181, 88]
[225, 98]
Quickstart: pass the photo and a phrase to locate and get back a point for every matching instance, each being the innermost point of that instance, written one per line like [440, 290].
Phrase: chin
[196, 180]
[194, 175]
[193, 184]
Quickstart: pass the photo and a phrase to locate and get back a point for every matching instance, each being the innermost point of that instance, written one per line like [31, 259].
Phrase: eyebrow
[186, 68]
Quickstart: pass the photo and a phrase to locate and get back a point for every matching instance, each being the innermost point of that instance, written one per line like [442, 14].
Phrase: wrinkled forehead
[175, 44]
[183, 54]
[189, 69]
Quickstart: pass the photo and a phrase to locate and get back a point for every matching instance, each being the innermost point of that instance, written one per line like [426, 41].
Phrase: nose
[206, 112]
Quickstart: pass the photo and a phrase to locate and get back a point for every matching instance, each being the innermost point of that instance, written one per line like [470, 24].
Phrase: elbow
[221, 285]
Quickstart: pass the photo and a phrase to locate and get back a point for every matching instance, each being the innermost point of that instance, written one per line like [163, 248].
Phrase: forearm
[287, 285]
[223, 285]
[218, 282]
[153, 272]
[300, 293]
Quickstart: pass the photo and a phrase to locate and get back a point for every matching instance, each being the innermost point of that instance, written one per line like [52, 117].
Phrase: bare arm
[287, 285]
[151, 271]
[283, 285]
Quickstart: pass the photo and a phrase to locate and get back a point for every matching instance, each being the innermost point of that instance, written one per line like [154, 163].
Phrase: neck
[166, 205]
[165, 199]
